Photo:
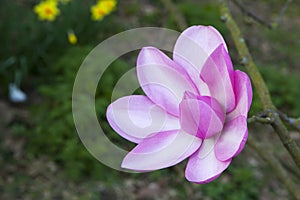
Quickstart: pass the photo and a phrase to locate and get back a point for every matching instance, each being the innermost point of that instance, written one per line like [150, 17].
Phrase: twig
[252, 15]
[259, 84]
[281, 13]
[276, 165]
[264, 117]
[262, 120]
[260, 20]
[291, 169]
[293, 122]
[286, 139]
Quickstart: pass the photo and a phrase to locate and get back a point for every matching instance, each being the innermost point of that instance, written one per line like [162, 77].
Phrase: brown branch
[262, 120]
[260, 20]
[252, 15]
[282, 175]
[262, 117]
[259, 84]
[290, 168]
[293, 122]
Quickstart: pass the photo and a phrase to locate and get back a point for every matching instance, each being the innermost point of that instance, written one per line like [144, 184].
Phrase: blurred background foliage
[37, 56]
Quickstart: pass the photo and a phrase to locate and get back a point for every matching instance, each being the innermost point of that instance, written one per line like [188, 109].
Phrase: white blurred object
[15, 94]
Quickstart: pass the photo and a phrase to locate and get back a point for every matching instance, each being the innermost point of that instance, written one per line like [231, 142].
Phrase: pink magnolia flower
[195, 107]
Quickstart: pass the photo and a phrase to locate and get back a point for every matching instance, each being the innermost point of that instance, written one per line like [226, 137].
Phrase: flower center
[201, 116]
[100, 12]
[48, 11]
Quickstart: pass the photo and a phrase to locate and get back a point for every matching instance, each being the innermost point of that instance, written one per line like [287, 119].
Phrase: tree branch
[252, 15]
[262, 120]
[262, 117]
[260, 20]
[293, 122]
[276, 165]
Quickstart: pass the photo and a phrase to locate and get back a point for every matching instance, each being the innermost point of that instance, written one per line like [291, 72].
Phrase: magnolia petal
[203, 166]
[243, 95]
[192, 49]
[232, 138]
[162, 150]
[163, 81]
[201, 116]
[217, 73]
[242, 145]
[136, 117]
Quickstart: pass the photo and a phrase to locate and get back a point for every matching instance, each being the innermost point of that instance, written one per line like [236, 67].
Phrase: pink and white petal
[232, 138]
[218, 73]
[201, 116]
[213, 103]
[243, 95]
[137, 117]
[242, 145]
[163, 81]
[195, 44]
[192, 49]
[203, 166]
[162, 150]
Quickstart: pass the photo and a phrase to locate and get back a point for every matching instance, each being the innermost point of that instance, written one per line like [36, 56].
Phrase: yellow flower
[72, 37]
[47, 10]
[108, 5]
[102, 8]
